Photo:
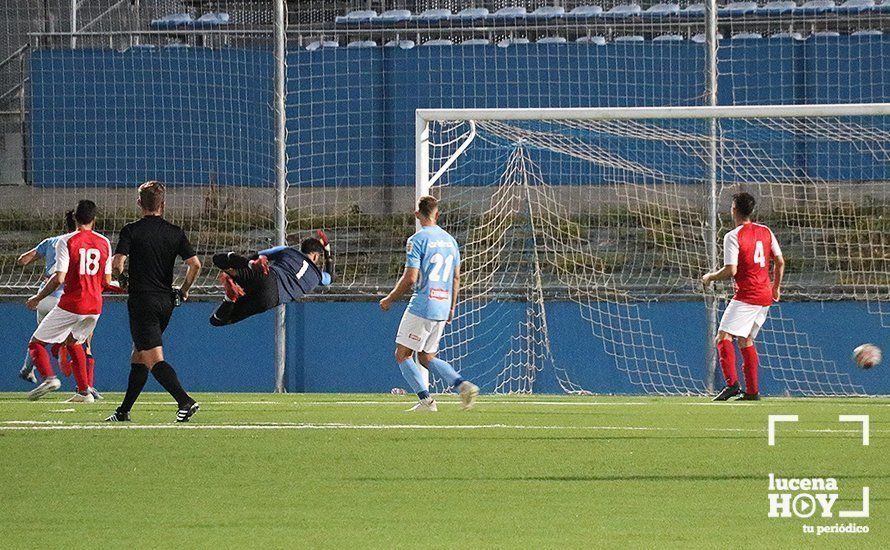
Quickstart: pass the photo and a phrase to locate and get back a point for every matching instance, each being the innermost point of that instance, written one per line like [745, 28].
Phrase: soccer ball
[867, 355]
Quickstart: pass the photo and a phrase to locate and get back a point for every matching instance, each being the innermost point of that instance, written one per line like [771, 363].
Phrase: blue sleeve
[413, 253]
[42, 248]
[272, 253]
[325, 278]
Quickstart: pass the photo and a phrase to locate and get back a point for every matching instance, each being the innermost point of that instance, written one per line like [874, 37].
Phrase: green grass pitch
[357, 471]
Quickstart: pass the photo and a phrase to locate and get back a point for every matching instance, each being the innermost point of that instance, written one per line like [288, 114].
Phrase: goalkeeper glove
[260, 264]
[324, 242]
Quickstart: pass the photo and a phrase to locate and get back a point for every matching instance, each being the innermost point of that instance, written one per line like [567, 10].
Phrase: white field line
[402, 403]
[19, 425]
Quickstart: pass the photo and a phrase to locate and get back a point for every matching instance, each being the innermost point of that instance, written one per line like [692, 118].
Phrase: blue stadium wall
[206, 115]
[347, 347]
[351, 118]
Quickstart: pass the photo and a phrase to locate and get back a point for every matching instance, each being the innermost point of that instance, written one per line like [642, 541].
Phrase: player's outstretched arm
[455, 290]
[51, 285]
[726, 272]
[405, 283]
[777, 280]
[193, 269]
[27, 257]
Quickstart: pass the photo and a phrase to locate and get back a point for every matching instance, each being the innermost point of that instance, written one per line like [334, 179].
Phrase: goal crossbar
[644, 113]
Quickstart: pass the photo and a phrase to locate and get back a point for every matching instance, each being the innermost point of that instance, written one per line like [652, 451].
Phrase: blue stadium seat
[362, 44]
[662, 10]
[826, 34]
[813, 7]
[629, 38]
[439, 42]
[883, 7]
[777, 7]
[322, 44]
[624, 10]
[429, 16]
[787, 36]
[736, 9]
[597, 40]
[701, 38]
[857, 6]
[507, 42]
[476, 42]
[210, 20]
[510, 12]
[173, 21]
[356, 16]
[551, 40]
[403, 44]
[393, 16]
[472, 13]
[747, 36]
[584, 12]
[668, 38]
[547, 12]
[693, 11]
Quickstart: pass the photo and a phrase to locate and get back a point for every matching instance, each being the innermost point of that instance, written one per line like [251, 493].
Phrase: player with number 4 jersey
[432, 270]
[748, 251]
[83, 264]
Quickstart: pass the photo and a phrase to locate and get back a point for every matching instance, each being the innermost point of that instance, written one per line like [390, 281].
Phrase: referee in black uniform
[152, 245]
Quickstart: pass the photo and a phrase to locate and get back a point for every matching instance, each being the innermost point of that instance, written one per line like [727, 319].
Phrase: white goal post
[568, 205]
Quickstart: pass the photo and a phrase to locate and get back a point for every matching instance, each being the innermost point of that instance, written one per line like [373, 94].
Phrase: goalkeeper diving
[271, 278]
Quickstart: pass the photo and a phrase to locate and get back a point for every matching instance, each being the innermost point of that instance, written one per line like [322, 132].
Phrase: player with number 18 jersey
[83, 265]
[85, 257]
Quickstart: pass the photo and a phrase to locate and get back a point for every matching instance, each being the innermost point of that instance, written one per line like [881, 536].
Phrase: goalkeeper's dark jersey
[296, 273]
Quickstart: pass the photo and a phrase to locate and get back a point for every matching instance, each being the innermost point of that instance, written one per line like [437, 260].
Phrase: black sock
[138, 377]
[222, 314]
[166, 377]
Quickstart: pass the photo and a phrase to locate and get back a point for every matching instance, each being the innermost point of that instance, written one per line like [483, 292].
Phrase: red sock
[79, 366]
[91, 371]
[749, 365]
[40, 358]
[727, 361]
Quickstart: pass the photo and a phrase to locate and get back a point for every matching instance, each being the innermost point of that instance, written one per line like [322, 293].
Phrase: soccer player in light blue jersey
[46, 250]
[432, 270]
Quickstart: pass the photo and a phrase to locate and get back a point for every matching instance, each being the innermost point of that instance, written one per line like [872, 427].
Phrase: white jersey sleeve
[776, 250]
[108, 261]
[731, 248]
[62, 257]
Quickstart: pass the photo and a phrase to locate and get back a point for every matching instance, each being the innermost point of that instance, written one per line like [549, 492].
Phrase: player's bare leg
[726, 352]
[750, 364]
[405, 359]
[468, 390]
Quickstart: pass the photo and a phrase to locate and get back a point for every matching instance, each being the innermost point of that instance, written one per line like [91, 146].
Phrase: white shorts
[58, 324]
[45, 306]
[743, 320]
[419, 334]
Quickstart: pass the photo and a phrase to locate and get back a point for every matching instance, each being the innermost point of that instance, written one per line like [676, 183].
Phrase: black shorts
[261, 293]
[150, 313]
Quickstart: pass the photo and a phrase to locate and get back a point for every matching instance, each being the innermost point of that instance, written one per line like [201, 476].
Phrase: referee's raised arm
[151, 245]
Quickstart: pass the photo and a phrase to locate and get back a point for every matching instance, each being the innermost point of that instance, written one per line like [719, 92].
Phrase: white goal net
[600, 218]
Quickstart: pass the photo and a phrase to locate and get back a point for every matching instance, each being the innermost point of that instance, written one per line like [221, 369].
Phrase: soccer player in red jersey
[83, 264]
[747, 251]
